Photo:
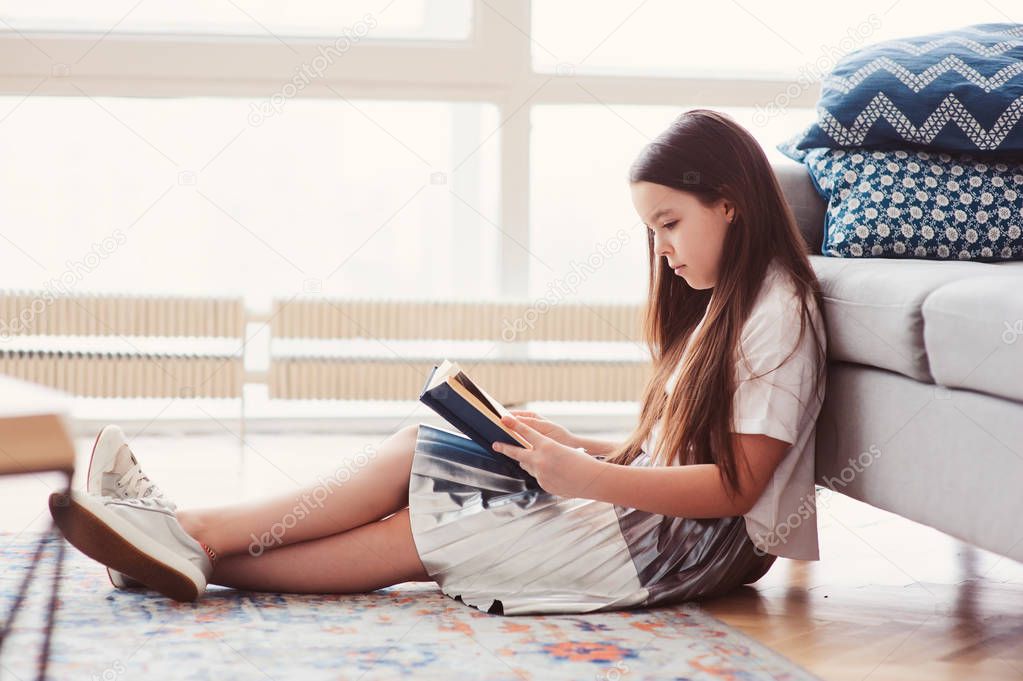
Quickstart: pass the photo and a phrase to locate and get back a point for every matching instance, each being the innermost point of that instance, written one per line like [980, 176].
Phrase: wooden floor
[890, 599]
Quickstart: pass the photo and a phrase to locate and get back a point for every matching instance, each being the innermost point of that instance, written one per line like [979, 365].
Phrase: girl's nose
[660, 245]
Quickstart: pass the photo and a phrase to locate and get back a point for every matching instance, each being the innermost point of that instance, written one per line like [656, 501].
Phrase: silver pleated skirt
[494, 542]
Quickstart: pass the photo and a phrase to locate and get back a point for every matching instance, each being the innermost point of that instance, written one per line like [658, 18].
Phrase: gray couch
[924, 409]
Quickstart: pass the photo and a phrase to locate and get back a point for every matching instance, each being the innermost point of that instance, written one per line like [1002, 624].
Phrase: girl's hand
[559, 469]
[545, 427]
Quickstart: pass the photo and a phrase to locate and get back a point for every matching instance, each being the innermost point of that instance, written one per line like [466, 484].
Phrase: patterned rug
[408, 630]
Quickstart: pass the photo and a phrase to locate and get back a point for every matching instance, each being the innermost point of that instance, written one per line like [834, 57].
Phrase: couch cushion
[873, 307]
[973, 332]
[954, 90]
[918, 204]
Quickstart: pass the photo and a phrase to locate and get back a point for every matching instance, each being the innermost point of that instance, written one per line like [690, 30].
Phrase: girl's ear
[729, 210]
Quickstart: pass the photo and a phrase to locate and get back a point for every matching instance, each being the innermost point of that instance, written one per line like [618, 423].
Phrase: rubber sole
[96, 539]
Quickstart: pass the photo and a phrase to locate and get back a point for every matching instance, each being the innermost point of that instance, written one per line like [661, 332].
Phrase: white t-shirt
[781, 404]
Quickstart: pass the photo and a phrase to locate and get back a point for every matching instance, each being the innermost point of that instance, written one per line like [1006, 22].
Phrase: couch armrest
[802, 197]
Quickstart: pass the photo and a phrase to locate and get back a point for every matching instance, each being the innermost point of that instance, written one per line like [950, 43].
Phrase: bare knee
[405, 441]
[397, 453]
[408, 433]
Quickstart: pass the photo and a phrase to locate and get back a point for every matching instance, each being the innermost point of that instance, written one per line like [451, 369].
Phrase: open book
[467, 407]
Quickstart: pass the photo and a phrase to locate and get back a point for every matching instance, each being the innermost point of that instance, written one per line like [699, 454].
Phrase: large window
[584, 230]
[732, 39]
[205, 196]
[433, 148]
[378, 148]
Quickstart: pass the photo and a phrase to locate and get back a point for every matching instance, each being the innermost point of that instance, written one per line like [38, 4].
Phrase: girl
[715, 482]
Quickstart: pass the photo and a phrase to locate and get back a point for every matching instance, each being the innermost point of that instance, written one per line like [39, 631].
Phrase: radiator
[509, 380]
[87, 373]
[153, 374]
[38, 314]
[455, 320]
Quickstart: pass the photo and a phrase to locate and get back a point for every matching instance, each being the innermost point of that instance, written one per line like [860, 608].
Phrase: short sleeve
[770, 402]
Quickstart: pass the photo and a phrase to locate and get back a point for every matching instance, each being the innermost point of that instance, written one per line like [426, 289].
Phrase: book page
[440, 374]
[486, 410]
[490, 402]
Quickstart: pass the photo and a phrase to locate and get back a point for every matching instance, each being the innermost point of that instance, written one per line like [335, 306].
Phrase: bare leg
[370, 492]
[339, 563]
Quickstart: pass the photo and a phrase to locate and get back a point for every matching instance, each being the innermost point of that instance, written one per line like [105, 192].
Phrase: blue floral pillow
[959, 91]
[918, 204]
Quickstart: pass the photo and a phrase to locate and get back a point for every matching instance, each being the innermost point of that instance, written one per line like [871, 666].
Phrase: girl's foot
[140, 537]
[114, 472]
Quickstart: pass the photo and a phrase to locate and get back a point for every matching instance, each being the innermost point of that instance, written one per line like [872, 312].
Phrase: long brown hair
[708, 154]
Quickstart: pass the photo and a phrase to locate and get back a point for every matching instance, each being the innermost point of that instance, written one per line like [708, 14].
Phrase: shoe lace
[137, 484]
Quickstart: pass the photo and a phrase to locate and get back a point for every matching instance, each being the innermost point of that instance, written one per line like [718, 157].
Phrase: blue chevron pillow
[918, 204]
[954, 91]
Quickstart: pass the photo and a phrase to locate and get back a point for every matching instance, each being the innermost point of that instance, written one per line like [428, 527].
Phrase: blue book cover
[467, 407]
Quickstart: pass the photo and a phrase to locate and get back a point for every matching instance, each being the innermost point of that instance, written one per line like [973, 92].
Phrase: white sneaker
[114, 472]
[139, 537]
